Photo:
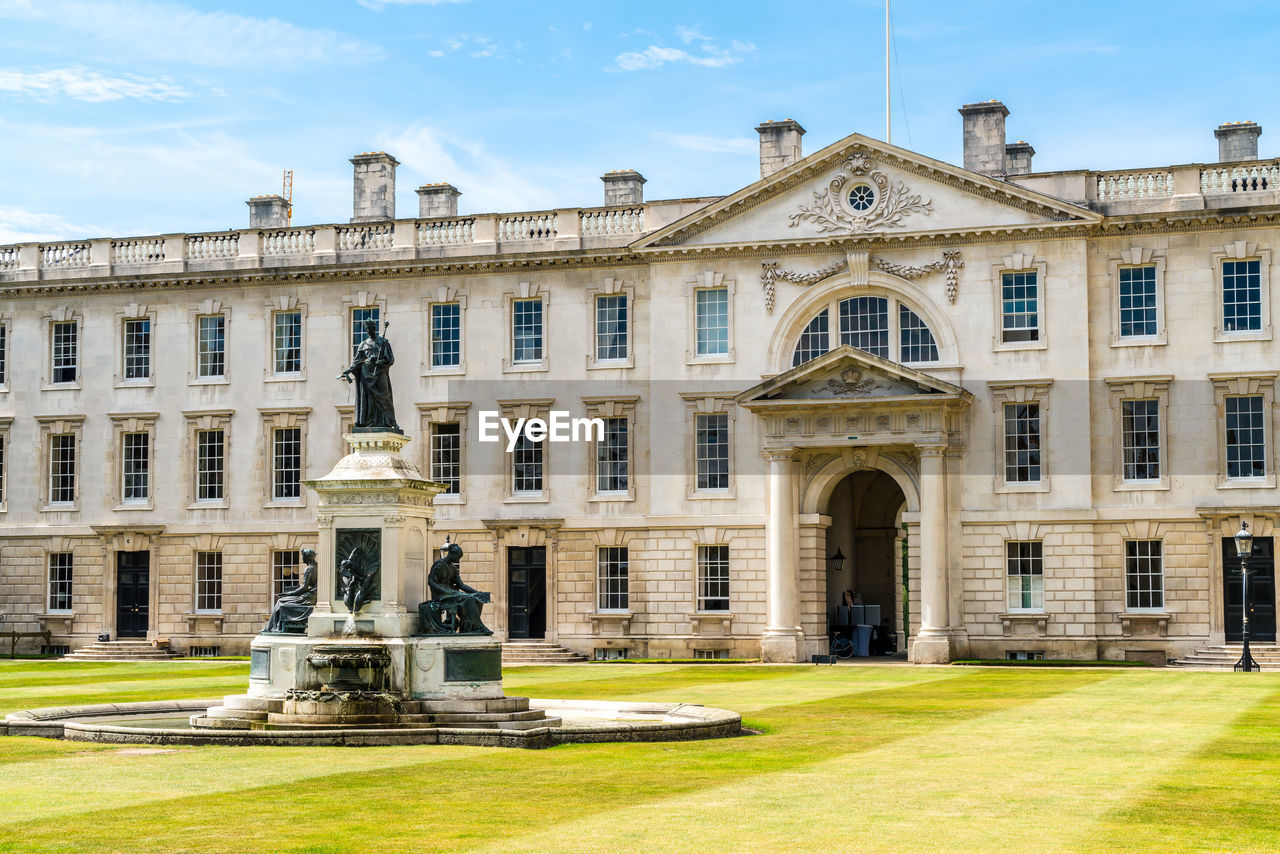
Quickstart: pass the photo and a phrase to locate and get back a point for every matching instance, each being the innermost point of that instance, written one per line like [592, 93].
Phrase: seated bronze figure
[454, 607]
[293, 607]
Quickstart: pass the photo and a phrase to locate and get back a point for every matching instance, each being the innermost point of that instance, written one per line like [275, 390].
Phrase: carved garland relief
[950, 264]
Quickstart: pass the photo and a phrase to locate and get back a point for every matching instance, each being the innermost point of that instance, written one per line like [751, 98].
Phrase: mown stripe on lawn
[491, 795]
[1224, 795]
[993, 782]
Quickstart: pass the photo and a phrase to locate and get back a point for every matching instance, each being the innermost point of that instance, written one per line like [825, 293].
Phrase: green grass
[850, 758]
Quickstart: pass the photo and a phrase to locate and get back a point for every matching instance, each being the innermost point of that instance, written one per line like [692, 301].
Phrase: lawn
[849, 758]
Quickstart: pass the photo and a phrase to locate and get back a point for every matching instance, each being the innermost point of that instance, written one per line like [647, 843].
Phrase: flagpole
[888, 123]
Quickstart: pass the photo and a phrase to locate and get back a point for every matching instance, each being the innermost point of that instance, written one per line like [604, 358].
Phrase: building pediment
[847, 374]
[864, 188]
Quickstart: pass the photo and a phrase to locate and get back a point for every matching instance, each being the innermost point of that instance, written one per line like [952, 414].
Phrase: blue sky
[149, 116]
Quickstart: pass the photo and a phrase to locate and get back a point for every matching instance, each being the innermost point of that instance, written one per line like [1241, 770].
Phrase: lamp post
[1244, 548]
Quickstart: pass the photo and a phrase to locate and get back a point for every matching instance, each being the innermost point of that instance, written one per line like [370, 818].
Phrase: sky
[138, 117]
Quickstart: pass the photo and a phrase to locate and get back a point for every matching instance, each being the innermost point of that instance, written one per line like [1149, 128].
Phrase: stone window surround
[608, 287]
[1136, 388]
[274, 418]
[134, 311]
[205, 621]
[361, 299]
[702, 620]
[282, 303]
[612, 406]
[700, 403]
[1138, 256]
[1035, 616]
[209, 308]
[131, 422]
[1237, 385]
[5, 459]
[346, 421]
[212, 419]
[6, 323]
[1124, 557]
[530, 408]
[51, 425]
[62, 314]
[893, 326]
[527, 291]
[430, 414]
[613, 623]
[1020, 391]
[1243, 250]
[448, 294]
[707, 281]
[1019, 262]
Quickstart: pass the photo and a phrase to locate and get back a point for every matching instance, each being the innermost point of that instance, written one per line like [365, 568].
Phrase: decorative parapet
[1240, 178]
[1118, 186]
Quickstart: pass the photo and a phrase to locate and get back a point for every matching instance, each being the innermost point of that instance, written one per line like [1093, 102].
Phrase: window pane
[288, 342]
[712, 450]
[1022, 442]
[527, 330]
[287, 462]
[62, 468]
[136, 467]
[814, 340]
[526, 465]
[1246, 437]
[712, 321]
[285, 566]
[713, 578]
[358, 318]
[1024, 566]
[4, 354]
[66, 355]
[611, 578]
[1138, 301]
[60, 581]
[611, 327]
[446, 335]
[209, 465]
[1020, 306]
[212, 346]
[137, 348]
[446, 456]
[1144, 574]
[208, 581]
[611, 457]
[2, 467]
[864, 323]
[1140, 439]
[1241, 296]
[915, 342]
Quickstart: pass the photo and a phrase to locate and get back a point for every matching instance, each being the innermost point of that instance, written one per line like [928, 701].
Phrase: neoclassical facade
[1028, 408]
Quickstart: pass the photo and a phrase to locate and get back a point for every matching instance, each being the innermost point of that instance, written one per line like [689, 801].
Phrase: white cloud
[166, 30]
[82, 84]
[719, 145]
[710, 55]
[23, 226]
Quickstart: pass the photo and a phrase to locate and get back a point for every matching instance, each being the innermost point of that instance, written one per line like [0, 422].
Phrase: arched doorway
[866, 510]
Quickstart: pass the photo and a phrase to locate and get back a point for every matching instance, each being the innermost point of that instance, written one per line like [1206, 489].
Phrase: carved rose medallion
[860, 198]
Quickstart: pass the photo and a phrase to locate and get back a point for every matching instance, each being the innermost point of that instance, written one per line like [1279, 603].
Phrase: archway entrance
[866, 526]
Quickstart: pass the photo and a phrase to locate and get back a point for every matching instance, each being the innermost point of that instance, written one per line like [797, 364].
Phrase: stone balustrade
[534, 226]
[8, 257]
[207, 247]
[288, 241]
[447, 232]
[597, 223]
[65, 255]
[143, 251]
[1240, 178]
[366, 236]
[1113, 186]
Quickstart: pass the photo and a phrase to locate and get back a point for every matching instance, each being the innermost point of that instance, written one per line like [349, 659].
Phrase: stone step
[551, 658]
[240, 714]
[453, 707]
[493, 717]
[516, 725]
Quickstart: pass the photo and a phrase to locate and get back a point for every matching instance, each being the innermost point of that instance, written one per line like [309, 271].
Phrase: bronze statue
[358, 579]
[375, 409]
[293, 607]
[454, 607]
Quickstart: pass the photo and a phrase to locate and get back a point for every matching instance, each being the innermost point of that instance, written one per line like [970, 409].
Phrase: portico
[850, 411]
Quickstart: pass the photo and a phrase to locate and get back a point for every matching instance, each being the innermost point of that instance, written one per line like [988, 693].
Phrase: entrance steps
[537, 652]
[1225, 656]
[123, 650]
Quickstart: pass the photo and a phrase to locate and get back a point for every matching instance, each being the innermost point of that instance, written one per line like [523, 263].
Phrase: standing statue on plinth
[293, 606]
[454, 607]
[371, 371]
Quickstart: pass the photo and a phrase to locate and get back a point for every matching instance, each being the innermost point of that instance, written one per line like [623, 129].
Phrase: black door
[133, 577]
[1262, 593]
[527, 592]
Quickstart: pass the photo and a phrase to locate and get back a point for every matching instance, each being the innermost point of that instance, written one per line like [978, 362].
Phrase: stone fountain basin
[582, 721]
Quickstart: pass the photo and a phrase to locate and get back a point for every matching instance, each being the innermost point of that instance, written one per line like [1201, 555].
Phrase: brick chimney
[1017, 158]
[437, 200]
[1237, 141]
[623, 187]
[375, 187]
[779, 145]
[984, 148]
[268, 212]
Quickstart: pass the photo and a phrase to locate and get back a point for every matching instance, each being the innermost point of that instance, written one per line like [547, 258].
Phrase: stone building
[1033, 405]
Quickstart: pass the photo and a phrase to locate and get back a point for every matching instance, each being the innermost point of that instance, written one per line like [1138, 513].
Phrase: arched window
[872, 324]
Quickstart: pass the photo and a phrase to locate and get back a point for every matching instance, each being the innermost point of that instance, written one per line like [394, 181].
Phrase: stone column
[783, 639]
[933, 644]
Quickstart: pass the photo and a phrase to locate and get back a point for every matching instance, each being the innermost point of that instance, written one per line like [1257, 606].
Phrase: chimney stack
[779, 145]
[268, 212]
[1017, 158]
[437, 200]
[623, 187]
[984, 148]
[375, 187]
[1237, 141]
